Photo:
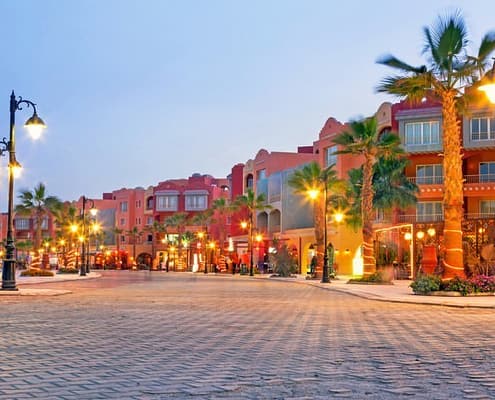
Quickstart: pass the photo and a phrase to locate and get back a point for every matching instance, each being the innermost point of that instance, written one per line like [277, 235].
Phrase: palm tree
[251, 203]
[222, 209]
[179, 221]
[449, 70]
[203, 219]
[134, 233]
[154, 228]
[116, 233]
[312, 179]
[363, 139]
[36, 203]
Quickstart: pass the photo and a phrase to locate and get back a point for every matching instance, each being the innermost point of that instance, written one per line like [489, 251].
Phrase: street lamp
[85, 262]
[35, 126]
[202, 238]
[313, 194]
[488, 84]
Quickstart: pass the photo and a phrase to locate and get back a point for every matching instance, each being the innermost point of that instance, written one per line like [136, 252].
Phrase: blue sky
[137, 92]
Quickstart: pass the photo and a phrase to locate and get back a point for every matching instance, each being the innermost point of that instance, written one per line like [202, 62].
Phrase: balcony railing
[426, 180]
[421, 218]
[483, 178]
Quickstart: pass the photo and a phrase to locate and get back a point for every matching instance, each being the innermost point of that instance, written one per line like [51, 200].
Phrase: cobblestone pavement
[141, 335]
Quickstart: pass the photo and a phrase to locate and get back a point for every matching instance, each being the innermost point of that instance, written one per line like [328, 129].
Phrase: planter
[387, 272]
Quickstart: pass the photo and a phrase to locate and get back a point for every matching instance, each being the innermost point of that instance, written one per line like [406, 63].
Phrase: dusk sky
[138, 92]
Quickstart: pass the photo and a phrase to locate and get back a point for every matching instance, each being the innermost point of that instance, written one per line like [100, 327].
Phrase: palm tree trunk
[319, 235]
[453, 183]
[369, 262]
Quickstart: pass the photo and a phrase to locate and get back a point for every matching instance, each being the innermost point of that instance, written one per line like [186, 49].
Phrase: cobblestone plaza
[136, 335]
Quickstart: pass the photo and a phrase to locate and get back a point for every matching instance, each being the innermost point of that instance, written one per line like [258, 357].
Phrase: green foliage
[36, 272]
[424, 284]
[456, 284]
[284, 263]
[386, 254]
[67, 271]
[376, 277]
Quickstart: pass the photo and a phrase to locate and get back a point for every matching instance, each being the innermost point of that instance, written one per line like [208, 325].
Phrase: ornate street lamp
[35, 126]
[85, 261]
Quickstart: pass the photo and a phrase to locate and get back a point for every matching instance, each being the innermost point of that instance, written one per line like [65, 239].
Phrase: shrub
[67, 271]
[456, 284]
[424, 284]
[36, 272]
[284, 263]
[483, 284]
[376, 277]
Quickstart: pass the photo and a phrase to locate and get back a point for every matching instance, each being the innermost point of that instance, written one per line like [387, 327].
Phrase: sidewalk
[399, 292]
[23, 281]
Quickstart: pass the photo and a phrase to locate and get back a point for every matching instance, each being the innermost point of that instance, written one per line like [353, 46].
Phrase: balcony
[426, 180]
[480, 184]
[413, 218]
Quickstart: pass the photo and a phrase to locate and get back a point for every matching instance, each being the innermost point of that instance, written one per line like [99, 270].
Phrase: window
[21, 223]
[482, 128]
[123, 206]
[44, 223]
[330, 158]
[149, 238]
[122, 239]
[138, 203]
[138, 221]
[487, 172]
[149, 220]
[429, 174]
[487, 207]
[429, 211]
[149, 203]
[196, 202]
[122, 221]
[419, 133]
[249, 181]
[166, 203]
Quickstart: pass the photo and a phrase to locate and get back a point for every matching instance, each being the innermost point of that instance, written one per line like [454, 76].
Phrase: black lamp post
[251, 265]
[325, 277]
[35, 124]
[85, 260]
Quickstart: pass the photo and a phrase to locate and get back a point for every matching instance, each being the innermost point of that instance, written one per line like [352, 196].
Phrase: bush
[376, 277]
[483, 284]
[67, 271]
[460, 285]
[36, 272]
[424, 284]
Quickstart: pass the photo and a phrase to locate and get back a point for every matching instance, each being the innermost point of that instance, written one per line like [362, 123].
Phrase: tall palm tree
[203, 219]
[135, 234]
[179, 221]
[448, 71]
[154, 228]
[252, 203]
[363, 139]
[116, 233]
[222, 209]
[36, 203]
[312, 178]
